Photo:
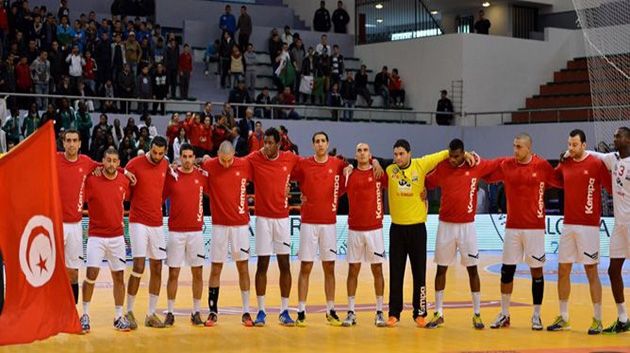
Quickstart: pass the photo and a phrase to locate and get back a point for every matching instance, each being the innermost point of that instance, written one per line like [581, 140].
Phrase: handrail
[435, 22]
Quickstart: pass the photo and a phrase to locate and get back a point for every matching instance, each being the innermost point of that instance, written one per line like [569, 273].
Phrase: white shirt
[76, 65]
[320, 49]
[620, 169]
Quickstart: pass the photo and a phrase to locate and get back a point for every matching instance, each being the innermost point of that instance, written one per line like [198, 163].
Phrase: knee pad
[507, 273]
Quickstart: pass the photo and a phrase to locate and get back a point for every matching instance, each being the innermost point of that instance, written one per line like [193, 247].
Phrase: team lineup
[149, 180]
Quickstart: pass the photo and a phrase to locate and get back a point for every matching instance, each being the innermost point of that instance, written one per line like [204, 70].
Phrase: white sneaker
[350, 320]
[536, 323]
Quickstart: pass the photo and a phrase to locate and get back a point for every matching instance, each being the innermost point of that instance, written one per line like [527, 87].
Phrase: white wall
[305, 9]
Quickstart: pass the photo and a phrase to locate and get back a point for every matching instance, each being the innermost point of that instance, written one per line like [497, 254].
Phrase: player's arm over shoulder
[430, 161]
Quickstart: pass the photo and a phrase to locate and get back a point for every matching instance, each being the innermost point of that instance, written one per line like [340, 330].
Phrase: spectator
[127, 151]
[246, 125]
[126, 87]
[50, 29]
[237, 66]
[286, 37]
[244, 27]
[212, 55]
[284, 72]
[133, 52]
[37, 31]
[250, 70]
[297, 54]
[23, 80]
[229, 114]
[309, 68]
[107, 91]
[67, 116]
[65, 33]
[132, 130]
[322, 73]
[63, 11]
[207, 111]
[75, 67]
[361, 81]
[381, 85]
[89, 71]
[264, 99]
[160, 88]
[31, 121]
[146, 122]
[118, 59]
[285, 142]
[287, 98]
[256, 139]
[241, 146]
[12, 126]
[321, 20]
[172, 131]
[84, 91]
[334, 100]
[159, 51]
[445, 109]
[323, 47]
[103, 58]
[227, 21]
[31, 52]
[225, 53]
[221, 132]
[240, 95]
[4, 31]
[396, 89]
[185, 68]
[51, 114]
[102, 125]
[340, 19]
[84, 124]
[177, 144]
[144, 89]
[40, 71]
[482, 25]
[147, 53]
[205, 140]
[337, 64]
[349, 95]
[171, 61]
[275, 45]
[117, 133]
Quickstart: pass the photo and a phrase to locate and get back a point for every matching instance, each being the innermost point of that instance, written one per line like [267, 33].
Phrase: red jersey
[146, 195]
[320, 184]
[195, 132]
[525, 191]
[228, 191]
[458, 200]
[172, 131]
[582, 182]
[105, 199]
[72, 177]
[271, 179]
[256, 142]
[205, 140]
[365, 198]
[186, 195]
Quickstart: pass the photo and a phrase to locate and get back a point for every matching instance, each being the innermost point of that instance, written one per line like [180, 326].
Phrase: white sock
[284, 304]
[505, 304]
[350, 303]
[86, 308]
[439, 300]
[196, 305]
[261, 302]
[152, 303]
[245, 301]
[118, 309]
[171, 305]
[597, 311]
[379, 303]
[564, 310]
[621, 312]
[301, 306]
[330, 305]
[131, 300]
[537, 310]
[476, 301]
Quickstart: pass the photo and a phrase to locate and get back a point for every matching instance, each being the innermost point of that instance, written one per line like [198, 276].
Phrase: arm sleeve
[605, 178]
[550, 176]
[489, 166]
[607, 158]
[558, 176]
[496, 175]
[430, 161]
[432, 181]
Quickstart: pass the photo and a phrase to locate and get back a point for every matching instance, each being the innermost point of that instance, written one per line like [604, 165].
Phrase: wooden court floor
[457, 335]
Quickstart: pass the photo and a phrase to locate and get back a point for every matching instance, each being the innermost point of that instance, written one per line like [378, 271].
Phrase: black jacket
[321, 21]
[340, 19]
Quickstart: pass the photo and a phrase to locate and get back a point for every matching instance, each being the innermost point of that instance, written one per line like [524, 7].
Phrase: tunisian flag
[39, 301]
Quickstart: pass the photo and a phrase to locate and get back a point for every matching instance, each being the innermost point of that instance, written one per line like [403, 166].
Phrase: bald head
[522, 147]
[525, 137]
[226, 154]
[363, 155]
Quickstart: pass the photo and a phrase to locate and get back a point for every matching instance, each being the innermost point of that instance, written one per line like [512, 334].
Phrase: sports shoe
[596, 327]
[122, 324]
[617, 327]
[212, 319]
[246, 320]
[379, 319]
[392, 321]
[536, 323]
[301, 319]
[559, 325]
[133, 324]
[169, 320]
[333, 319]
[501, 321]
[196, 320]
[85, 323]
[477, 323]
[153, 321]
[260, 319]
[436, 321]
[420, 321]
[285, 319]
[351, 320]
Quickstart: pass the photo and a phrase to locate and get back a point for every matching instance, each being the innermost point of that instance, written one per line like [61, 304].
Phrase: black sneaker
[196, 320]
[333, 319]
[169, 320]
[617, 327]
[301, 319]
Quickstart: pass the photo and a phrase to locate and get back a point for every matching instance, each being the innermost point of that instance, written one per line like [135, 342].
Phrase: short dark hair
[186, 147]
[320, 133]
[110, 150]
[158, 141]
[445, 92]
[273, 132]
[578, 132]
[402, 143]
[625, 130]
[395, 71]
[71, 131]
[456, 144]
[384, 67]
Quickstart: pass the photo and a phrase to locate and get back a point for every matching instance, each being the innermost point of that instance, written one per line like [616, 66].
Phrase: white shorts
[620, 242]
[110, 249]
[579, 244]
[366, 246]
[456, 236]
[318, 236]
[526, 245]
[147, 241]
[238, 238]
[73, 245]
[185, 248]
[272, 236]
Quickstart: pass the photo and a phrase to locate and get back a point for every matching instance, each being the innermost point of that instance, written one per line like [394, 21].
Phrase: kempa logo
[241, 205]
[471, 195]
[335, 194]
[541, 200]
[37, 250]
[588, 208]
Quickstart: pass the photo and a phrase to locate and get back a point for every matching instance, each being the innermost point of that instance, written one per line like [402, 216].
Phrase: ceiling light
[379, 20]
[486, 4]
[434, 12]
[379, 6]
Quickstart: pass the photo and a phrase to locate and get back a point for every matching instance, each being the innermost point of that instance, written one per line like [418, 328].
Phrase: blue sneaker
[285, 319]
[260, 319]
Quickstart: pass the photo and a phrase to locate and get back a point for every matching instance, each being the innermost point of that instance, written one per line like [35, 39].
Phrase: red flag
[39, 301]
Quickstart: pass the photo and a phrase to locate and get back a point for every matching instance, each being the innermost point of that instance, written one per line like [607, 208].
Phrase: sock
[621, 312]
[245, 300]
[330, 305]
[564, 310]
[476, 300]
[213, 298]
[171, 305]
[75, 292]
[196, 305]
[131, 299]
[538, 289]
[118, 310]
[284, 304]
[301, 306]
[597, 311]
[505, 304]
[86, 308]
[152, 303]
[261, 302]
[350, 303]
[537, 309]
[439, 299]
[379, 303]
